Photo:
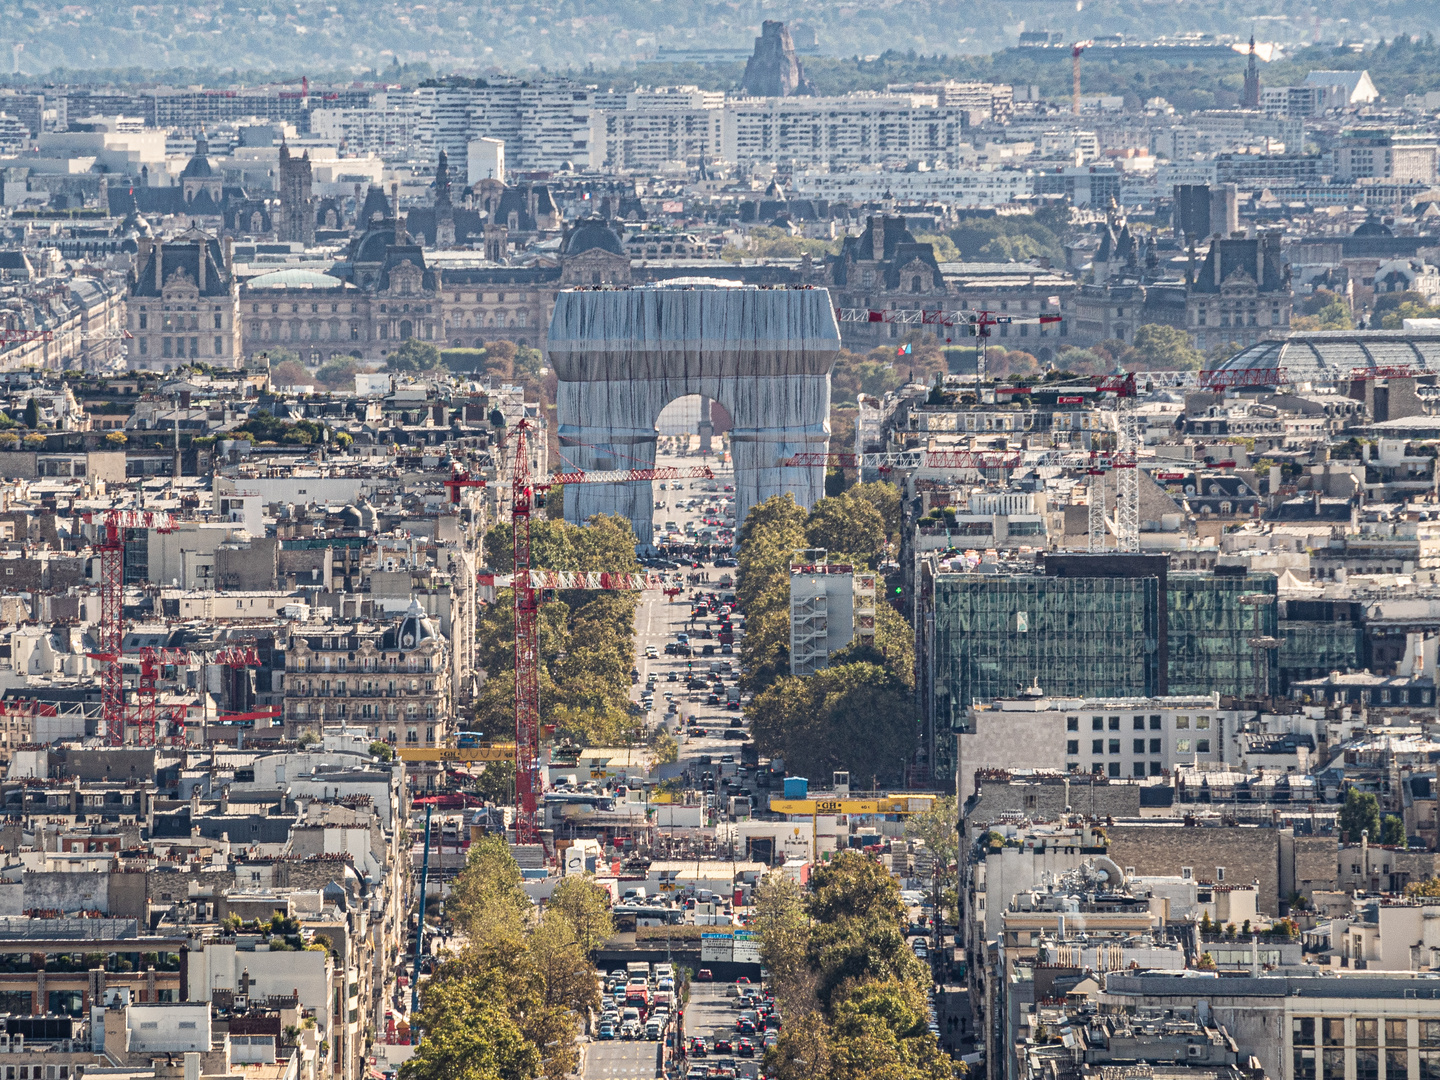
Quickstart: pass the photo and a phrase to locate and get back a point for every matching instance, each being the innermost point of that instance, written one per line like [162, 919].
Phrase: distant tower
[296, 220]
[444, 211]
[1251, 99]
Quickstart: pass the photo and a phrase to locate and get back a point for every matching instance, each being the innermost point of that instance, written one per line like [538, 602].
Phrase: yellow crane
[882, 804]
[494, 752]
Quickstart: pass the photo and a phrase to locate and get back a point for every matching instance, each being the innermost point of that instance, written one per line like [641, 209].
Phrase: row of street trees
[587, 639]
[510, 1004]
[852, 994]
[857, 714]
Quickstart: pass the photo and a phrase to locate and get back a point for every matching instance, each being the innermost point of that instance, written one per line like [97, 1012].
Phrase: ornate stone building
[392, 681]
[296, 219]
[183, 304]
[384, 292]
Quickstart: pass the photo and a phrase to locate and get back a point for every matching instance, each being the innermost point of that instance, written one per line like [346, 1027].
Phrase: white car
[652, 653]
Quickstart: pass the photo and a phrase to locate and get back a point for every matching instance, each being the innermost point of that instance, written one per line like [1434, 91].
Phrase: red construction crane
[461, 479]
[527, 584]
[112, 595]
[978, 324]
[146, 711]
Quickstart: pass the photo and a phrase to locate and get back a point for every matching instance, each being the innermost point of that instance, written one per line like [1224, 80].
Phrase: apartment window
[165, 347]
[1115, 769]
[1139, 770]
[1156, 769]
[219, 321]
[1072, 723]
[1097, 746]
[219, 346]
[1367, 1063]
[1139, 746]
[1304, 1064]
[1333, 1031]
[1397, 1064]
[1154, 746]
[1367, 1032]
[1187, 873]
[1202, 746]
[1114, 723]
[1182, 746]
[1302, 1031]
[411, 735]
[1202, 723]
[1155, 723]
[144, 321]
[1114, 746]
[1072, 747]
[1333, 1062]
[1182, 723]
[1097, 723]
[1097, 767]
[1396, 1033]
[1139, 724]
[1219, 874]
[1429, 1064]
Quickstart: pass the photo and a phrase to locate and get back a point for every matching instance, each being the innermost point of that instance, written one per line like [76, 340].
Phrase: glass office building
[996, 635]
[1208, 633]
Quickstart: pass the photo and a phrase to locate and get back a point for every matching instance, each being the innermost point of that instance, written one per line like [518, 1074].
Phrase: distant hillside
[274, 38]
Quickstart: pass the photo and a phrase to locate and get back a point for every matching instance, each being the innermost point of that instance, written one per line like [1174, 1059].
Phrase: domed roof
[589, 234]
[415, 628]
[294, 278]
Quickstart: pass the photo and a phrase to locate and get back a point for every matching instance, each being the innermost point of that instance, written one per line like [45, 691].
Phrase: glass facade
[1209, 632]
[1320, 636]
[996, 635]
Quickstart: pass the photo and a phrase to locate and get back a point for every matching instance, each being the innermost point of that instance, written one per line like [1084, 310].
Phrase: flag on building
[903, 350]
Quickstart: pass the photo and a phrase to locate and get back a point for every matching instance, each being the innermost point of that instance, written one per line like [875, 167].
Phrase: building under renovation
[622, 355]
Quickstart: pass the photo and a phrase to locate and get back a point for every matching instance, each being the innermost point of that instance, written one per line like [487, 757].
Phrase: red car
[704, 975]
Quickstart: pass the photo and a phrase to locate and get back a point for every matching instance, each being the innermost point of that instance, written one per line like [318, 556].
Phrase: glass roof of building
[1326, 356]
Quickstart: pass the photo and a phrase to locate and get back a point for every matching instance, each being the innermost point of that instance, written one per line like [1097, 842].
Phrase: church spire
[1251, 96]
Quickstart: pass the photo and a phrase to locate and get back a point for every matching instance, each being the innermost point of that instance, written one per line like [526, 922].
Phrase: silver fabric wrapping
[621, 356]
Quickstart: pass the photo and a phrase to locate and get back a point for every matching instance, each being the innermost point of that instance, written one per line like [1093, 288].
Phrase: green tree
[1165, 348]
[784, 930]
[382, 750]
[337, 374]
[584, 908]
[938, 829]
[413, 356]
[856, 716]
[845, 524]
[884, 497]
[1360, 812]
[486, 900]
[1392, 831]
[1428, 887]
[664, 747]
[32, 413]
[1335, 316]
[470, 1033]
[496, 782]
[290, 373]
